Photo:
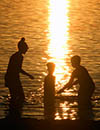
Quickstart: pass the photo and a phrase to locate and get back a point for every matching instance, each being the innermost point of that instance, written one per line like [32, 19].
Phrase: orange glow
[58, 51]
[58, 36]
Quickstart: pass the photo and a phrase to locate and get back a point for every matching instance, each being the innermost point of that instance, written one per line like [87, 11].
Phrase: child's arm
[68, 85]
[75, 82]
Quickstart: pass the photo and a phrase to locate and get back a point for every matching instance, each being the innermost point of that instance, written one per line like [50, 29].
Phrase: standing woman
[12, 79]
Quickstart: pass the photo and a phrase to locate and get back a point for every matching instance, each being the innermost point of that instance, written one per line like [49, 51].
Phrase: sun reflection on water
[58, 51]
[58, 36]
[66, 111]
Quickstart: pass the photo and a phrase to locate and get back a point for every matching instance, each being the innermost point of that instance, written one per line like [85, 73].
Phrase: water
[54, 31]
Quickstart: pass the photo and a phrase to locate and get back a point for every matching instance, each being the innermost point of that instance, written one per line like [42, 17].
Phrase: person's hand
[60, 91]
[31, 77]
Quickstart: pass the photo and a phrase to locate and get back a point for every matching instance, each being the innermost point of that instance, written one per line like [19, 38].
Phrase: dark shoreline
[34, 124]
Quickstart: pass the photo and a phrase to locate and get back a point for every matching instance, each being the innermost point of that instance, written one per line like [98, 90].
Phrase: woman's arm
[27, 74]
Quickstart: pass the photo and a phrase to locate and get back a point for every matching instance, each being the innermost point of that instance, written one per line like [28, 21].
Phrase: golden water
[54, 30]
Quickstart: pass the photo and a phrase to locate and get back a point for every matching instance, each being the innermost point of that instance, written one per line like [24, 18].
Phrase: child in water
[86, 83]
[49, 92]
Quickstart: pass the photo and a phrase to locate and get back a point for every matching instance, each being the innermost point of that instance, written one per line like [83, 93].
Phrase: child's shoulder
[78, 70]
[83, 68]
[49, 77]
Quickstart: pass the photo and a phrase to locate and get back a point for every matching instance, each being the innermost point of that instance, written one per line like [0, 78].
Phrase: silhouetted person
[49, 92]
[12, 79]
[86, 83]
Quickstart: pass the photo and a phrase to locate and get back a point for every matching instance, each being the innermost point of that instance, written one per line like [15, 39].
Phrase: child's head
[22, 46]
[75, 60]
[51, 67]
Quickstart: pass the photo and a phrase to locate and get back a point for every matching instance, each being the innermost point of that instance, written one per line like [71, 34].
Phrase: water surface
[54, 30]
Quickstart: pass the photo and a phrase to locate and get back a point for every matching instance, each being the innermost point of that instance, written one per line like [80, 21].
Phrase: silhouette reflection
[85, 112]
[14, 111]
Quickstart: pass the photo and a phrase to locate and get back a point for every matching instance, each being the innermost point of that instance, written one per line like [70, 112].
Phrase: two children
[79, 76]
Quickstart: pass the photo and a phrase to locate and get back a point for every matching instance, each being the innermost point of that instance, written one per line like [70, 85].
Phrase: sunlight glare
[58, 36]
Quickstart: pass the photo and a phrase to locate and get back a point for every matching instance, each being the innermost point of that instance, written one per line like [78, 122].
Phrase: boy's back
[85, 81]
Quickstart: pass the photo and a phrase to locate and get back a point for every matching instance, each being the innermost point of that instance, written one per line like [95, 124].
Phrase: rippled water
[54, 31]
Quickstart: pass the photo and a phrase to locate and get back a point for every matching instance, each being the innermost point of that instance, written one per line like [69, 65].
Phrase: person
[49, 92]
[12, 78]
[81, 76]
